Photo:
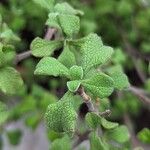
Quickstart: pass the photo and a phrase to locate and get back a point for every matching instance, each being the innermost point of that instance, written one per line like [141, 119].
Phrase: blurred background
[122, 24]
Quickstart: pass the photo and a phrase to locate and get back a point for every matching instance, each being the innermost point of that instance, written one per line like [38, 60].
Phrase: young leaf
[100, 85]
[10, 80]
[120, 79]
[7, 34]
[119, 134]
[67, 57]
[52, 21]
[51, 66]
[144, 135]
[41, 47]
[63, 143]
[70, 24]
[107, 124]
[3, 113]
[76, 72]
[93, 120]
[65, 8]
[96, 143]
[61, 116]
[73, 85]
[93, 52]
[47, 4]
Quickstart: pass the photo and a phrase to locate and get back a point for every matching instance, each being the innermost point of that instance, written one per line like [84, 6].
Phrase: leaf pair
[100, 85]
[64, 18]
[94, 120]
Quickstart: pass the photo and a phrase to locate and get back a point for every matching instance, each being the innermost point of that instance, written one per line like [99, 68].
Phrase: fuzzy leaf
[67, 57]
[100, 85]
[93, 120]
[65, 8]
[70, 24]
[120, 79]
[73, 85]
[96, 143]
[63, 143]
[47, 4]
[107, 124]
[144, 135]
[61, 116]
[52, 20]
[119, 134]
[51, 66]
[3, 113]
[10, 80]
[7, 34]
[93, 52]
[41, 47]
[76, 72]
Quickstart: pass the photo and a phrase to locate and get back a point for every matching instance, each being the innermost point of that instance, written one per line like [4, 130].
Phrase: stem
[140, 94]
[48, 36]
[86, 98]
[82, 137]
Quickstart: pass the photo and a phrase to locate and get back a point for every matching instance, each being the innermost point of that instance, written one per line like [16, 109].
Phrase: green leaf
[73, 85]
[67, 57]
[119, 77]
[3, 113]
[14, 136]
[144, 135]
[61, 116]
[119, 57]
[107, 124]
[52, 135]
[93, 120]
[93, 53]
[96, 143]
[100, 85]
[2, 56]
[76, 72]
[51, 66]
[63, 143]
[119, 134]
[65, 8]
[33, 120]
[10, 80]
[7, 34]
[48, 4]
[70, 24]
[52, 20]
[41, 47]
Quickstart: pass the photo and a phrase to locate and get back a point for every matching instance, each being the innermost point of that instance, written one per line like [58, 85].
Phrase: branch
[81, 138]
[86, 98]
[49, 34]
[140, 94]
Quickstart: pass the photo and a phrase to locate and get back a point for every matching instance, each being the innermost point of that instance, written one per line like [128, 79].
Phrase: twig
[86, 98]
[105, 113]
[49, 34]
[81, 138]
[137, 92]
[128, 123]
